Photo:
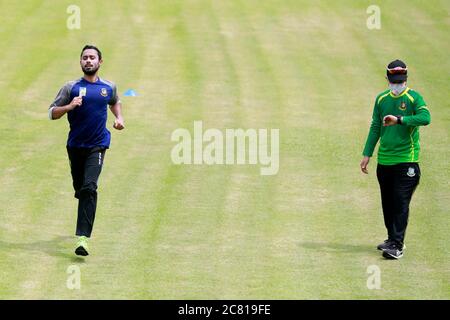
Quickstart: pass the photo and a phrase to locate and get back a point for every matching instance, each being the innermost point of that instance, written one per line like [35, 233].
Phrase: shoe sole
[390, 256]
[381, 249]
[80, 251]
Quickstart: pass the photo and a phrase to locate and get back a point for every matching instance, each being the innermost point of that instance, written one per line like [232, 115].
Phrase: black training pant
[85, 166]
[397, 185]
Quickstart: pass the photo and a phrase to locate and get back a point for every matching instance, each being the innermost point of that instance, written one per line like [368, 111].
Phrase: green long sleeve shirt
[398, 143]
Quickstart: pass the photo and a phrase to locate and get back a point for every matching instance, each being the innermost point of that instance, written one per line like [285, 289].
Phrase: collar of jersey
[97, 81]
[402, 94]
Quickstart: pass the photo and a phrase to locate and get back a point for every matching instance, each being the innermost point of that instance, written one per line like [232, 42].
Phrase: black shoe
[385, 245]
[395, 251]
[80, 251]
[82, 246]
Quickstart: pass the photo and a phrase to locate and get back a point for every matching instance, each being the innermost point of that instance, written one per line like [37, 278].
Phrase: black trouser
[85, 166]
[397, 185]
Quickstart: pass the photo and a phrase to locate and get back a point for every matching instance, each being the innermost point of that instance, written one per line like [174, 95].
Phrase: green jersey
[398, 143]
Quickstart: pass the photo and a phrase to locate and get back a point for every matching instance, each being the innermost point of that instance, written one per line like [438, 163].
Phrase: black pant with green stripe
[397, 184]
[86, 166]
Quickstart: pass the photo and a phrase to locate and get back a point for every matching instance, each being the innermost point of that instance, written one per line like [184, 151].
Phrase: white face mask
[397, 88]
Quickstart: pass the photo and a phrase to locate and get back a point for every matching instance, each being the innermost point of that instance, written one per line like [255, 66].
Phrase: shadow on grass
[338, 247]
[56, 247]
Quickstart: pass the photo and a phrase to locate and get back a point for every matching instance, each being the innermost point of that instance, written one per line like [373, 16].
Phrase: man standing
[85, 101]
[397, 115]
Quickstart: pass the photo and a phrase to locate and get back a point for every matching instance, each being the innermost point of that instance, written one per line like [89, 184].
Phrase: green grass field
[309, 68]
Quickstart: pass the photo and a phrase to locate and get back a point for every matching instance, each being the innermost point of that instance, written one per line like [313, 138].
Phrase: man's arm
[421, 116]
[372, 138]
[62, 104]
[374, 132]
[116, 109]
[57, 112]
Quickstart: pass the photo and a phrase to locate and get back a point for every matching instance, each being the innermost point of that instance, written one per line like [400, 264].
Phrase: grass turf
[310, 68]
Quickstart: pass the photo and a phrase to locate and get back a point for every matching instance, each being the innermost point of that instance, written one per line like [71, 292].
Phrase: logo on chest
[82, 92]
[104, 92]
[402, 106]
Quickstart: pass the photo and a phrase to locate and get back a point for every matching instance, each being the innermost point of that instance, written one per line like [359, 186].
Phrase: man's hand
[77, 101]
[118, 123]
[389, 120]
[364, 163]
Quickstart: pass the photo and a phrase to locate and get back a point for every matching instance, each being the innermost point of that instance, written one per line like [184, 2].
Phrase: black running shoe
[395, 251]
[385, 245]
[82, 246]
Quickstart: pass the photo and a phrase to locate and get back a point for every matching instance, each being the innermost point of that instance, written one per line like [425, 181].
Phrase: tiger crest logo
[104, 93]
[402, 106]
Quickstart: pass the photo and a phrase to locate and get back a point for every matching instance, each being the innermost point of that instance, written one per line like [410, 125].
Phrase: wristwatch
[399, 119]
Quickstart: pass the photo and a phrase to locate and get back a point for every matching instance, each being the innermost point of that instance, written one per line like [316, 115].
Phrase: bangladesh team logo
[402, 106]
[104, 92]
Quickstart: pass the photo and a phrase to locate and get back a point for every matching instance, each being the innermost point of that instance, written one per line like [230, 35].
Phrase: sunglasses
[397, 70]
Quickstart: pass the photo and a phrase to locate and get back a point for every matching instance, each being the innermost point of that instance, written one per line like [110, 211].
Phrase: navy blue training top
[88, 121]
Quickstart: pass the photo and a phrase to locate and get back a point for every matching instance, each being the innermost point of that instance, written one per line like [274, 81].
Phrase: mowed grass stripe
[192, 223]
[172, 184]
[294, 214]
[26, 203]
[235, 219]
[159, 73]
[281, 257]
[286, 236]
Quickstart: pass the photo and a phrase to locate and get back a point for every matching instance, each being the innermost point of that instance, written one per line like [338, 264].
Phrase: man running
[85, 101]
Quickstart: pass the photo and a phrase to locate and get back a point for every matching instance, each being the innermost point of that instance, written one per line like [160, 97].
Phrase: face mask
[397, 88]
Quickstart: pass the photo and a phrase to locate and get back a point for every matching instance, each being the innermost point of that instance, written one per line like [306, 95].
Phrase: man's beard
[90, 72]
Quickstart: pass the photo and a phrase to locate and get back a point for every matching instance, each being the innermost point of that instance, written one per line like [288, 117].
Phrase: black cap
[397, 71]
